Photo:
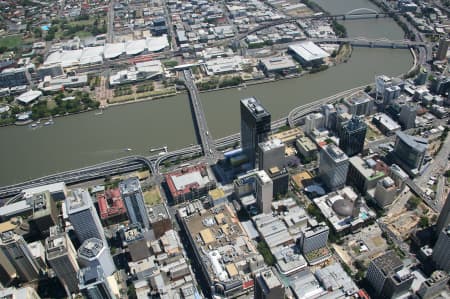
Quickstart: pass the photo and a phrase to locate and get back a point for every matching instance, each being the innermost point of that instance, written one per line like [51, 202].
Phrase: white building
[141, 71]
[83, 216]
[264, 192]
[224, 65]
[95, 252]
[308, 53]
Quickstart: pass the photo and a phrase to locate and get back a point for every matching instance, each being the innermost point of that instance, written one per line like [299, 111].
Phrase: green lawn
[152, 197]
[83, 34]
[371, 134]
[11, 42]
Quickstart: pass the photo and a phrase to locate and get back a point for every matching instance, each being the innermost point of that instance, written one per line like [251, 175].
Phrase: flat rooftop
[56, 246]
[335, 153]
[278, 63]
[388, 263]
[182, 181]
[368, 170]
[90, 248]
[308, 51]
[271, 144]
[222, 244]
[78, 200]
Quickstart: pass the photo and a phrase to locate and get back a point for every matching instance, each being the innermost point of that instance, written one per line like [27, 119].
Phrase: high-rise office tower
[95, 252]
[422, 77]
[62, 257]
[444, 217]
[134, 201]
[268, 286]
[441, 250]
[435, 284]
[352, 136]
[271, 154]
[333, 166]
[387, 276]
[442, 49]
[255, 127]
[410, 152]
[271, 160]
[314, 237]
[264, 192]
[314, 121]
[16, 251]
[45, 213]
[408, 116]
[93, 284]
[330, 115]
[83, 216]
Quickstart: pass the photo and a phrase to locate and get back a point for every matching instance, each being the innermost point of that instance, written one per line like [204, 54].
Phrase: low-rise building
[333, 277]
[344, 210]
[385, 124]
[139, 72]
[306, 147]
[29, 97]
[278, 65]
[50, 84]
[308, 53]
[224, 65]
[110, 204]
[189, 183]
[222, 251]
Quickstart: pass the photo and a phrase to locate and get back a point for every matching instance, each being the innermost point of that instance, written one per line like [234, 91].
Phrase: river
[86, 138]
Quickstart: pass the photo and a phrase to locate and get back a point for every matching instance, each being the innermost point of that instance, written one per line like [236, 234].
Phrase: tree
[424, 222]
[269, 259]
[368, 89]
[413, 202]
[131, 292]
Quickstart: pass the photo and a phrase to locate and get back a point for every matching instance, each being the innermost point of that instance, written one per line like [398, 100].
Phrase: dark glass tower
[255, 127]
[352, 136]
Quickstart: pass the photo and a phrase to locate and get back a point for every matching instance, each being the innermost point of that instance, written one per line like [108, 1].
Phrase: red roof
[110, 203]
[248, 284]
[363, 294]
[173, 190]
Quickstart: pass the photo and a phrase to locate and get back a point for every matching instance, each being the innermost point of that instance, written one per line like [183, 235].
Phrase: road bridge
[203, 134]
[297, 113]
[372, 43]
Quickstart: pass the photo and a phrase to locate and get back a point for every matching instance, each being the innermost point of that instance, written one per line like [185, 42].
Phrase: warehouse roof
[308, 51]
[29, 96]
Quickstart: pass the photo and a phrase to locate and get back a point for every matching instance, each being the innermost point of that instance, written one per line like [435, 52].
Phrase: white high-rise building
[95, 252]
[62, 257]
[314, 237]
[314, 121]
[264, 192]
[333, 166]
[83, 216]
[271, 154]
